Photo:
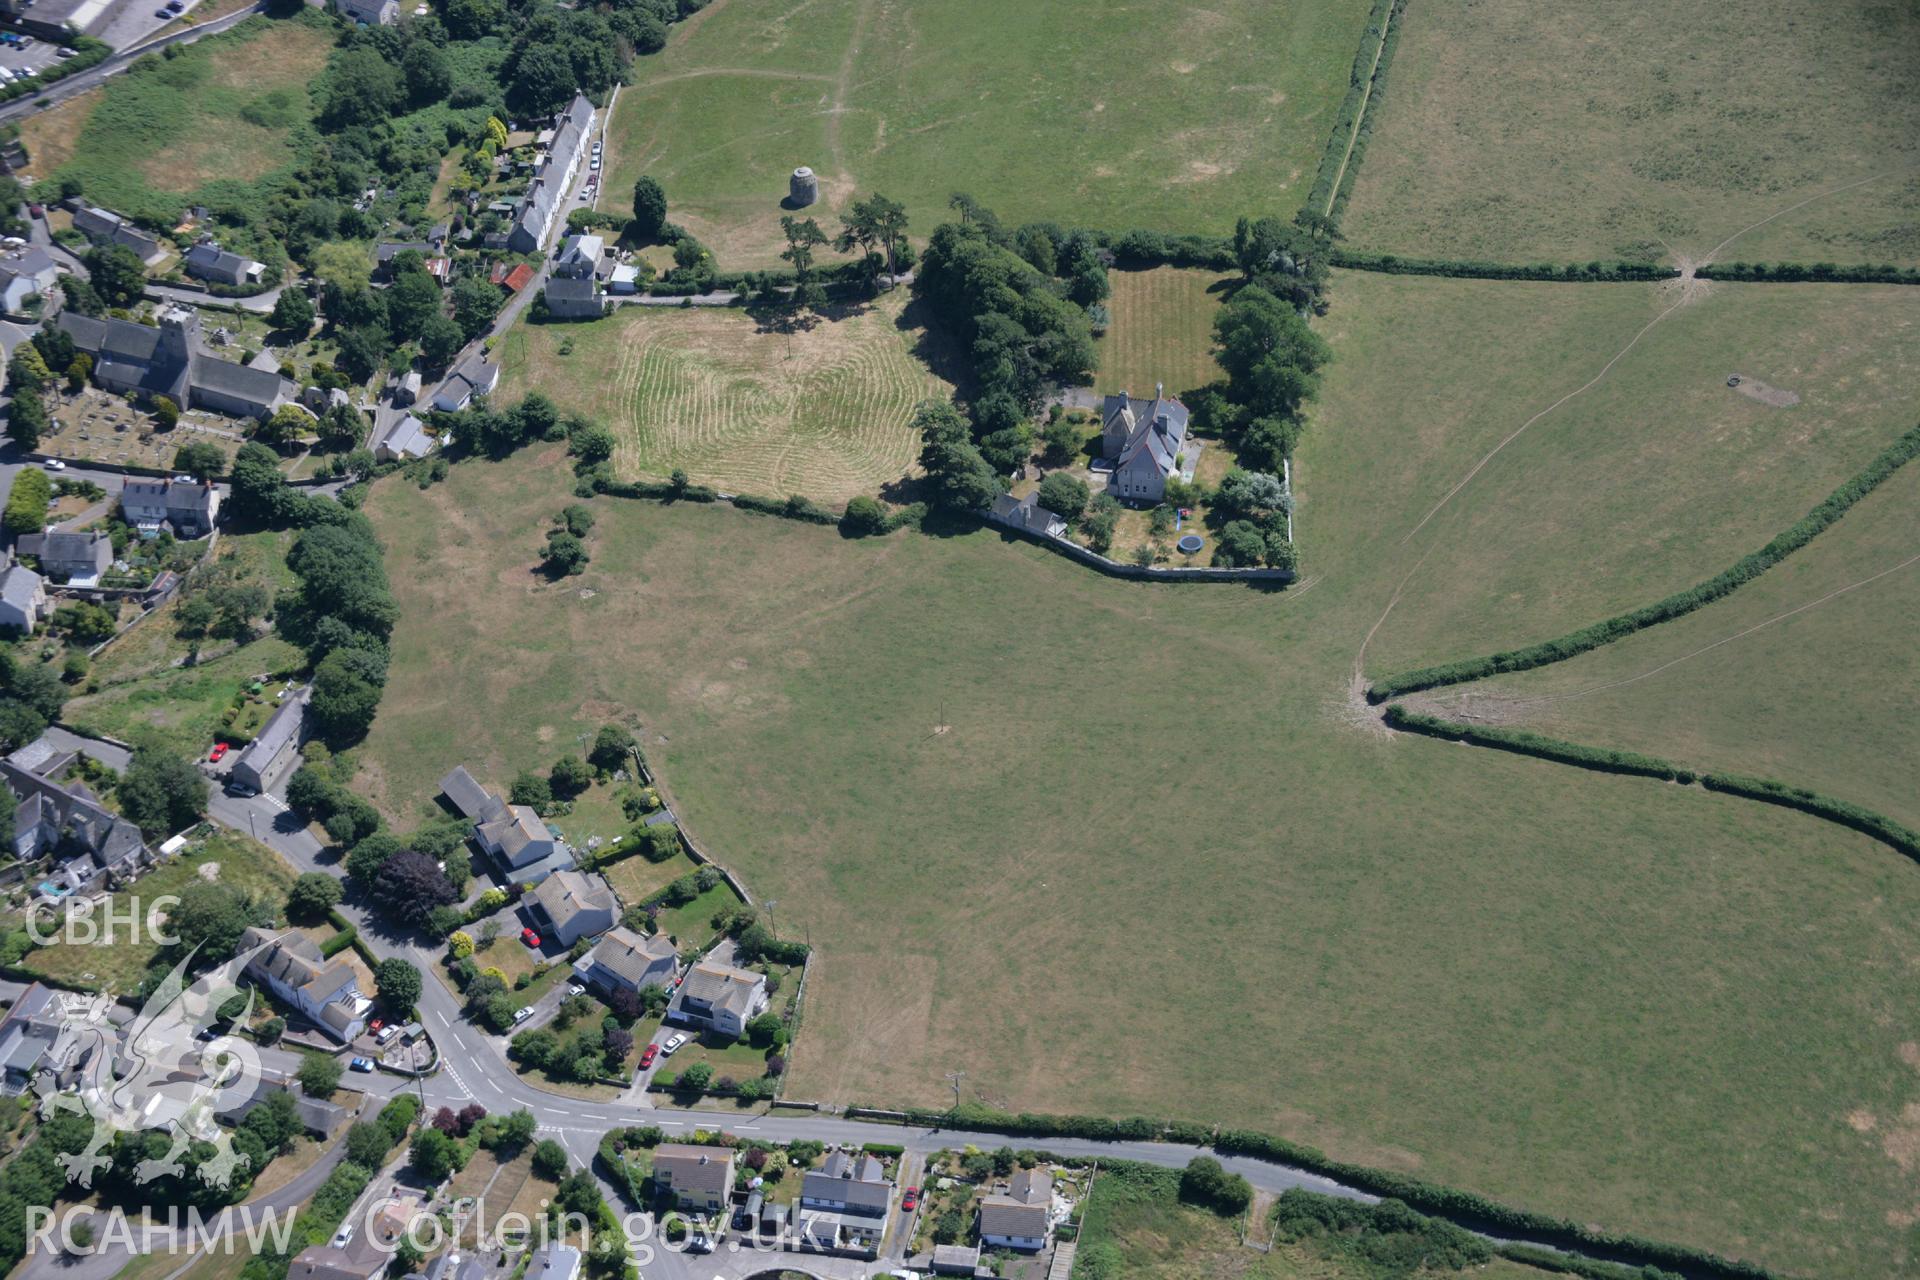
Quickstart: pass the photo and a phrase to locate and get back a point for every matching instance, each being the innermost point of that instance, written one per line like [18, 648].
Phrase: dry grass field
[822, 412]
[1161, 331]
[1653, 131]
[1075, 111]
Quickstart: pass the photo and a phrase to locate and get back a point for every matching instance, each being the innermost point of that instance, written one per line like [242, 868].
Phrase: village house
[697, 1178]
[627, 961]
[551, 178]
[570, 905]
[186, 506]
[574, 298]
[35, 1038]
[1019, 1219]
[93, 848]
[844, 1204]
[476, 376]
[513, 834]
[23, 598]
[554, 1262]
[276, 748]
[1027, 513]
[208, 261]
[25, 274]
[403, 440]
[171, 360]
[103, 226]
[1143, 438]
[327, 1262]
[292, 968]
[719, 997]
[75, 558]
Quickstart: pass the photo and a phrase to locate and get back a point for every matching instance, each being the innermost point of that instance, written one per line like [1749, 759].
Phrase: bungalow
[23, 598]
[103, 226]
[267, 758]
[698, 1178]
[188, 507]
[1144, 439]
[476, 376]
[1019, 1219]
[208, 261]
[77, 558]
[571, 905]
[403, 441]
[720, 997]
[292, 968]
[1027, 513]
[626, 961]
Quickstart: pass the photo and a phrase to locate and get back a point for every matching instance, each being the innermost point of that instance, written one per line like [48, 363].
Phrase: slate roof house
[476, 376]
[719, 996]
[1019, 1219]
[570, 905]
[266, 759]
[208, 261]
[375, 13]
[1027, 513]
[624, 960]
[23, 598]
[171, 360]
[94, 847]
[552, 178]
[326, 993]
[35, 1038]
[403, 441]
[103, 226]
[844, 1203]
[78, 558]
[696, 1177]
[512, 833]
[579, 256]
[574, 298]
[189, 507]
[325, 1262]
[1144, 439]
[472, 800]
[26, 274]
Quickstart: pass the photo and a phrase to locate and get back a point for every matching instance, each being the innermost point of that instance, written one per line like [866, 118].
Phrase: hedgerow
[1350, 122]
[1473, 269]
[1814, 273]
[1674, 606]
[1866, 821]
[1521, 742]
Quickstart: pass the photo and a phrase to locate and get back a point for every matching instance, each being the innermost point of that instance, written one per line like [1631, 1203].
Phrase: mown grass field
[734, 403]
[223, 114]
[1648, 131]
[1073, 111]
[1564, 989]
[1808, 675]
[1162, 330]
[1655, 477]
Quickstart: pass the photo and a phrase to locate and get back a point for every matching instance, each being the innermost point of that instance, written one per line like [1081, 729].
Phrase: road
[75, 85]
[258, 304]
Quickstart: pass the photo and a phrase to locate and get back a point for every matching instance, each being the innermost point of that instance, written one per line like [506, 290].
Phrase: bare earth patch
[1754, 389]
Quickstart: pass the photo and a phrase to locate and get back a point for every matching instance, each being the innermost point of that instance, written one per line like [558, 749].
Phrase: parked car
[647, 1055]
[529, 937]
[54, 464]
[576, 989]
[344, 1234]
[218, 753]
[240, 790]
[521, 1014]
[671, 1043]
[67, 53]
[361, 1064]
[910, 1201]
[386, 1035]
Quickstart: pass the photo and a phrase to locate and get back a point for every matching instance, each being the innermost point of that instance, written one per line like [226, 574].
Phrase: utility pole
[954, 1078]
[772, 923]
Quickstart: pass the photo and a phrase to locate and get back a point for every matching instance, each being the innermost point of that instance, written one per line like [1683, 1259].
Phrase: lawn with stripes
[1161, 330]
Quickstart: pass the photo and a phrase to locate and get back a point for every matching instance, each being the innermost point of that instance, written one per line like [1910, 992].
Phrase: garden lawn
[1563, 989]
[119, 968]
[734, 403]
[1161, 331]
[1066, 111]
[691, 925]
[180, 709]
[1600, 134]
[635, 879]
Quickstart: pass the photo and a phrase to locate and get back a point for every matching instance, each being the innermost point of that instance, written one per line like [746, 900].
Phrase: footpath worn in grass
[1654, 131]
[1070, 110]
[737, 404]
[1162, 330]
[1560, 988]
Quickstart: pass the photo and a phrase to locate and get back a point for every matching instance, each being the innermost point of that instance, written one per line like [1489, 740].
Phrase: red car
[219, 749]
[529, 937]
[376, 1024]
[647, 1055]
[910, 1201]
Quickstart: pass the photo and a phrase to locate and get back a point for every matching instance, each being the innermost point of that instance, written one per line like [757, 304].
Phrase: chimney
[1159, 390]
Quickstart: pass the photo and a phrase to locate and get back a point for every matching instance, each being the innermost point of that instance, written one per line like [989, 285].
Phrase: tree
[319, 1076]
[1206, 1182]
[289, 423]
[762, 1031]
[116, 274]
[428, 77]
[804, 237]
[367, 1145]
[314, 893]
[340, 427]
[1251, 494]
[958, 477]
[515, 1131]
[166, 412]
[864, 517]
[1102, 515]
[27, 418]
[590, 443]
[412, 299]
[570, 777]
[531, 790]
[360, 88]
[1065, 495]
[211, 916]
[79, 371]
[564, 554]
[344, 699]
[409, 886]
[696, 1077]
[549, 1160]
[270, 1031]
[649, 208]
[543, 80]
[399, 986]
[432, 1154]
[1240, 545]
[293, 311]
[612, 747]
[200, 459]
[440, 340]
[161, 793]
[475, 303]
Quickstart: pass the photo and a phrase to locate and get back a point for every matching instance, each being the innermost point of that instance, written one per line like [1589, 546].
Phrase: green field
[1073, 111]
[1555, 987]
[821, 412]
[209, 124]
[1162, 330]
[1648, 131]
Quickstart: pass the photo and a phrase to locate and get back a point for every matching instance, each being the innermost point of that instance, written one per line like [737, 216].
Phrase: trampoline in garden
[1191, 543]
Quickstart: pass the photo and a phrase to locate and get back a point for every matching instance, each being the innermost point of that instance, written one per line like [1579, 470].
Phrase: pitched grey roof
[565, 894]
[1027, 513]
[694, 1168]
[634, 959]
[280, 730]
[18, 586]
[385, 253]
[68, 551]
[1033, 1186]
[212, 260]
[1160, 429]
[257, 386]
[570, 289]
[721, 986]
[469, 797]
[1005, 1216]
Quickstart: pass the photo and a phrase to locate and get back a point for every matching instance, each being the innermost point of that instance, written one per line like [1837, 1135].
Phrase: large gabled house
[627, 961]
[720, 997]
[103, 226]
[844, 1204]
[512, 834]
[188, 507]
[208, 261]
[77, 558]
[275, 749]
[92, 847]
[570, 905]
[697, 1178]
[35, 1038]
[1019, 1219]
[1143, 439]
[326, 993]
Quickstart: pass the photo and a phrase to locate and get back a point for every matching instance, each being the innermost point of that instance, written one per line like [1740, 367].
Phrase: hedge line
[1474, 269]
[88, 52]
[658, 490]
[1568, 1264]
[1350, 122]
[1866, 821]
[1521, 742]
[1674, 606]
[1139, 248]
[1818, 272]
[1463, 1207]
[793, 508]
[338, 942]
